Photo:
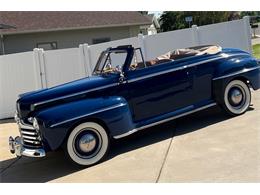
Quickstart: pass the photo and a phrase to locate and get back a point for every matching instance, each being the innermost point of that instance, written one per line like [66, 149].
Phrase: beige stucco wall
[65, 39]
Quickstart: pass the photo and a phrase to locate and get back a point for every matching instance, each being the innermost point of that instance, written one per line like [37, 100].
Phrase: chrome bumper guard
[16, 147]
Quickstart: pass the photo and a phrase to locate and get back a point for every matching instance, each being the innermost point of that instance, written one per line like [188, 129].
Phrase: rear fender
[246, 72]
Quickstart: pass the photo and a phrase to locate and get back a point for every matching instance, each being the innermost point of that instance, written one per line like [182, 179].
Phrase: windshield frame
[99, 68]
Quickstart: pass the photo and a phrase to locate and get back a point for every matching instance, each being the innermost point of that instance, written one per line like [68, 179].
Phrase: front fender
[56, 122]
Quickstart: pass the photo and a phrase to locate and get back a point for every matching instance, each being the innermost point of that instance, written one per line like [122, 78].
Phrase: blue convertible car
[127, 94]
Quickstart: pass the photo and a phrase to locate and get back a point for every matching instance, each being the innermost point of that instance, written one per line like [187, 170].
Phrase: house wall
[1, 46]
[65, 39]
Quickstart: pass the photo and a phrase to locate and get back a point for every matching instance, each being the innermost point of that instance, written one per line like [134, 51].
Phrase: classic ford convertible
[127, 94]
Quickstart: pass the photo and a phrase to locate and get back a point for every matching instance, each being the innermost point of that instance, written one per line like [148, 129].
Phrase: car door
[158, 90]
[202, 84]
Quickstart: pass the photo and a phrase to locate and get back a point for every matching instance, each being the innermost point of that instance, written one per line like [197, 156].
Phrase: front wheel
[236, 98]
[87, 144]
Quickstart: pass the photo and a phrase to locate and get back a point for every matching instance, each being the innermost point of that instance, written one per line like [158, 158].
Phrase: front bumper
[16, 147]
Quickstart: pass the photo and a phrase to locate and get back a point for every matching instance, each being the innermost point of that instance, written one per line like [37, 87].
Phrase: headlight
[35, 124]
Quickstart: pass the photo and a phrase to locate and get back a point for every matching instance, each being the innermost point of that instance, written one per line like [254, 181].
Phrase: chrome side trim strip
[75, 94]
[157, 73]
[98, 111]
[125, 134]
[163, 121]
[183, 67]
[175, 69]
[236, 73]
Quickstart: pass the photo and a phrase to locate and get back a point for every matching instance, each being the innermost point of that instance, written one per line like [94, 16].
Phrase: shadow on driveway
[9, 120]
[54, 165]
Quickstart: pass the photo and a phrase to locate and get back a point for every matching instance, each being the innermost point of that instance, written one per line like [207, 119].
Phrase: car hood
[27, 101]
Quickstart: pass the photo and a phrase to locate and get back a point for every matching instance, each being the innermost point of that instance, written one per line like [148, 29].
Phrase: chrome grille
[30, 137]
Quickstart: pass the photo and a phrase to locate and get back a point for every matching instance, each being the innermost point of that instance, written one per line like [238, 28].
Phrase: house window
[101, 40]
[47, 45]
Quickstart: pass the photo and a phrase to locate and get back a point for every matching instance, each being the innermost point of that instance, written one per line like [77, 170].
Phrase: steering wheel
[133, 67]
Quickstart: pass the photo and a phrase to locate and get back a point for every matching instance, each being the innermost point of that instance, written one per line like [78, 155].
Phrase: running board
[164, 120]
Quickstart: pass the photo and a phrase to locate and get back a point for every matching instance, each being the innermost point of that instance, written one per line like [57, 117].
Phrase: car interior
[178, 54]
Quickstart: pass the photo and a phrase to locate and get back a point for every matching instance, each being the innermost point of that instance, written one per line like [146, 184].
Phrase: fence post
[247, 30]
[43, 68]
[38, 60]
[82, 59]
[88, 59]
[85, 59]
[141, 41]
[195, 35]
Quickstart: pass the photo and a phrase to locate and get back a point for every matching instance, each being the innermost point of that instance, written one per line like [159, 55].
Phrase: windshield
[111, 61]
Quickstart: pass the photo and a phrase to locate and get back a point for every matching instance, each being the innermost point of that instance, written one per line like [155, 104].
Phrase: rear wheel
[236, 98]
[88, 144]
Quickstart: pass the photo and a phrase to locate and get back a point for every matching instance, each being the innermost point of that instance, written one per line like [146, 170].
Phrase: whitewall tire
[236, 97]
[87, 144]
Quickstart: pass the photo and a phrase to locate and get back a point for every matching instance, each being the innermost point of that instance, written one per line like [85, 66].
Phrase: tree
[250, 13]
[176, 20]
[255, 15]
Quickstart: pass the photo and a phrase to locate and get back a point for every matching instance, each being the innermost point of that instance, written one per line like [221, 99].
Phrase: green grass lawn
[256, 50]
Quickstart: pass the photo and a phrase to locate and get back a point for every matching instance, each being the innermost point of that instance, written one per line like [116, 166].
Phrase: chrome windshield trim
[95, 112]
[236, 73]
[163, 121]
[75, 94]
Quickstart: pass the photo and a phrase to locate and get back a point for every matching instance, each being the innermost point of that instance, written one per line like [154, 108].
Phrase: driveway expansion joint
[165, 157]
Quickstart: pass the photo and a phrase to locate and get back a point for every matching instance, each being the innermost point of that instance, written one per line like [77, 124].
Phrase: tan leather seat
[210, 50]
[178, 54]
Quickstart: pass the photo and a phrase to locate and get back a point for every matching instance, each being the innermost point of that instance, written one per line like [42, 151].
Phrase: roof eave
[75, 28]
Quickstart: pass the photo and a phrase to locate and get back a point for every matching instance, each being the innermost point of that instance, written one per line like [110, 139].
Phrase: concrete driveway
[204, 147]
[255, 41]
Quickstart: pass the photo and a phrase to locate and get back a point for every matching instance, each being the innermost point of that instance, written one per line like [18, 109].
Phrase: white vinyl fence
[23, 72]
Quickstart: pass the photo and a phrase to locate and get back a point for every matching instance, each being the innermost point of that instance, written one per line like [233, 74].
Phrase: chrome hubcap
[236, 96]
[87, 143]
